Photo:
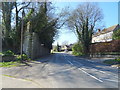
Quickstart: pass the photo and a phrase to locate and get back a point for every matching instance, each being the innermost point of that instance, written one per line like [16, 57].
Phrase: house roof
[106, 30]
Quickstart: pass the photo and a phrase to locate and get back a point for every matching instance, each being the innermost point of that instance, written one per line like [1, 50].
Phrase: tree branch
[24, 6]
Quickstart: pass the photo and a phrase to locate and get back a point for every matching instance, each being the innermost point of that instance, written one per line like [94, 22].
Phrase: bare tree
[83, 21]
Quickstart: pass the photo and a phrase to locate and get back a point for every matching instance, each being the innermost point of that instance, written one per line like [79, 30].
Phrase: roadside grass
[9, 76]
[113, 61]
[15, 63]
[9, 64]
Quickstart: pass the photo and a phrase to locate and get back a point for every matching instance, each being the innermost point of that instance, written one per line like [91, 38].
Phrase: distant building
[105, 35]
[66, 47]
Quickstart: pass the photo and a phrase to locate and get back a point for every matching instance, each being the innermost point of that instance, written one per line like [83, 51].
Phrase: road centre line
[69, 62]
[110, 80]
[85, 71]
[90, 75]
[100, 79]
[93, 70]
[98, 70]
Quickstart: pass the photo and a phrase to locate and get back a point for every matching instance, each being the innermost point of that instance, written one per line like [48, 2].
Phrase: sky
[110, 14]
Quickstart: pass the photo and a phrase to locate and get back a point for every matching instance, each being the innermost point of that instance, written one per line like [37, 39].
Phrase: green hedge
[77, 49]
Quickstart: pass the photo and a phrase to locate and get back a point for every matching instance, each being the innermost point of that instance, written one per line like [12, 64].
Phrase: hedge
[103, 47]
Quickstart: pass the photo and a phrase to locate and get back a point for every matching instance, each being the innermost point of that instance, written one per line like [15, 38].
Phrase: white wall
[103, 37]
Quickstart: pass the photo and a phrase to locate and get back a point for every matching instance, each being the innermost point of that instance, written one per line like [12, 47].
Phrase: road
[62, 70]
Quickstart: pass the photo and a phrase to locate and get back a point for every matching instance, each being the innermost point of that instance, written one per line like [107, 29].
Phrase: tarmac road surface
[61, 70]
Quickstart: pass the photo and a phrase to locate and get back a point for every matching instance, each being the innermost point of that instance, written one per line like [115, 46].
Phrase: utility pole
[22, 27]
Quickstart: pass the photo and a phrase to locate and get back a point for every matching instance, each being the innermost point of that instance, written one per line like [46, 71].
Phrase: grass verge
[112, 62]
[9, 64]
[9, 76]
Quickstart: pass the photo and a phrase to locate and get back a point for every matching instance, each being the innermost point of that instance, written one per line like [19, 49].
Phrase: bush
[23, 57]
[112, 62]
[77, 49]
[7, 53]
[118, 59]
[116, 34]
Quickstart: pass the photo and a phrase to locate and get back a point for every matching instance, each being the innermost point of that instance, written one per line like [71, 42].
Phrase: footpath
[11, 82]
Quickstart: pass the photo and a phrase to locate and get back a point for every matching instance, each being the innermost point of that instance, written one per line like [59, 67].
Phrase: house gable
[105, 35]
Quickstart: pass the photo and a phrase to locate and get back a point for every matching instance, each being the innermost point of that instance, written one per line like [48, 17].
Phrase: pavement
[11, 82]
[61, 70]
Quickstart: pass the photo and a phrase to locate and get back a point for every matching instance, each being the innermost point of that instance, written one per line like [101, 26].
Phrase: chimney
[99, 30]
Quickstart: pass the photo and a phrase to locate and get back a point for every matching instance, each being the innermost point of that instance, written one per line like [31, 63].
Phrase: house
[104, 35]
[66, 47]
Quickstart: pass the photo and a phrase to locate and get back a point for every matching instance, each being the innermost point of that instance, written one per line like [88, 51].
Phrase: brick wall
[102, 47]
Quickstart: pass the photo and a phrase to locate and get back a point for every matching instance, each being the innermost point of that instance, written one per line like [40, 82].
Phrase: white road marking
[90, 61]
[96, 70]
[91, 75]
[102, 71]
[92, 70]
[87, 73]
[110, 80]
[69, 62]
[78, 63]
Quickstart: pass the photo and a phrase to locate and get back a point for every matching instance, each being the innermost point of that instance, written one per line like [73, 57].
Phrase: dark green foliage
[23, 57]
[116, 34]
[6, 23]
[7, 12]
[112, 62]
[77, 49]
[58, 48]
[8, 53]
[44, 26]
[41, 21]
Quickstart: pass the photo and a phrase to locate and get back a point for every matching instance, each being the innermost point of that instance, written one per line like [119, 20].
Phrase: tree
[77, 49]
[7, 12]
[6, 22]
[45, 24]
[83, 21]
[17, 32]
[58, 47]
[41, 18]
[11, 35]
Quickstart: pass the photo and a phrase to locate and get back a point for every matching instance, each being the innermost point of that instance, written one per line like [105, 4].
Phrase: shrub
[7, 53]
[118, 59]
[1, 54]
[112, 62]
[116, 34]
[23, 57]
[77, 49]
